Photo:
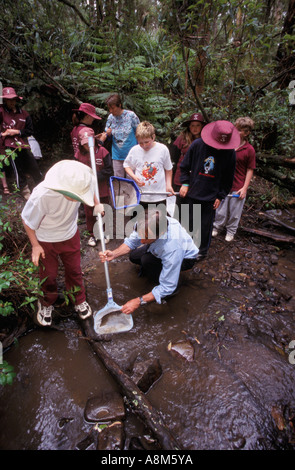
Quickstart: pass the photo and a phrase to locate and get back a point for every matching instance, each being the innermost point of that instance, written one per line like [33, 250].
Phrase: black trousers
[207, 219]
[151, 266]
[25, 163]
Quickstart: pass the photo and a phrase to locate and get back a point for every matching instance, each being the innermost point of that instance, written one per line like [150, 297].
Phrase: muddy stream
[228, 385]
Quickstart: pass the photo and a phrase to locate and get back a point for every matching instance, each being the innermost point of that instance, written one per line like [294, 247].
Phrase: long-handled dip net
[110, 318]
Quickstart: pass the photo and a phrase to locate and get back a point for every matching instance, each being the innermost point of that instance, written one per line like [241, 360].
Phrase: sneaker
[44, 315]
[229, 237]
[214, 232]
[92, 241]
[84, 310]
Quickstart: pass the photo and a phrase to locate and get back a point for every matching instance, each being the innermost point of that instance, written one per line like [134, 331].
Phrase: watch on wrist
[142, 302]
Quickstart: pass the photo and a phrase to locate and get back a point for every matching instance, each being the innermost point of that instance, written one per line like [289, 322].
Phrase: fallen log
[275, 160]
[136, 398]
[276, 176]
[272, 217]
[273, 236]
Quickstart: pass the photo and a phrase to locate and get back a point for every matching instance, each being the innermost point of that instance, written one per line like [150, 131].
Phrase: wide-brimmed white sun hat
[72, 179]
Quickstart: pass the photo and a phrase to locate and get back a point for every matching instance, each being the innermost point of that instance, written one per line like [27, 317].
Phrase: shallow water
[223, 399]
[43, 409]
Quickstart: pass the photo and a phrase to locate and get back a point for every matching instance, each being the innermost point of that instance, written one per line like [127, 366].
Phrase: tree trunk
[273, 236]
[276, 177]
[285, 53]
[275, 160]
[265, 169]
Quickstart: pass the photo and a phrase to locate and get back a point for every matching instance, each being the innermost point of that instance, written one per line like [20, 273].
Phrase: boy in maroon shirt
[229, 213]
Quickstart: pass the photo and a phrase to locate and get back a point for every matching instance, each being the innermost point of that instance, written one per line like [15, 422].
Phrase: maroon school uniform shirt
[19, 120]
[245, 159]
[101, 157]
[182, 145]
[75, 137]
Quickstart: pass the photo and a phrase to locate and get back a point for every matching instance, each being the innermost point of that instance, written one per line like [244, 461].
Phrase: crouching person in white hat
[50, 220]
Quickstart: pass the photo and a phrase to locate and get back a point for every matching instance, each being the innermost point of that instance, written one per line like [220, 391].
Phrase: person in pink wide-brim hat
[9, 93]
[207, 173]
[16, 126]
[88, 109]
[84, 116]
[221, 135]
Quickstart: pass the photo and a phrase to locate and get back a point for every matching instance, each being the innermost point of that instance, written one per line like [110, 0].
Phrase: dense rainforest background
[167, 59]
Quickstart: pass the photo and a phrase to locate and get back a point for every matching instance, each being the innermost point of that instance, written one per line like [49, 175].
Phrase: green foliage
[7, 374]
[5, 160]
[274, 119]
[236, 44]
[156, 55]
[19, 286]
[138, 78]
[19, 283]
[69, 296]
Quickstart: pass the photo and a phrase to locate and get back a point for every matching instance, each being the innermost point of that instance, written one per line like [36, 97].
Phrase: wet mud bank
[225, 382]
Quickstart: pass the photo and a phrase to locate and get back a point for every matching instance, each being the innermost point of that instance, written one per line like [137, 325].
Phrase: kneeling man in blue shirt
[163, 248]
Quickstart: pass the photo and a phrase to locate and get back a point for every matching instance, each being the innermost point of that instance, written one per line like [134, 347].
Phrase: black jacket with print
[208, 171]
